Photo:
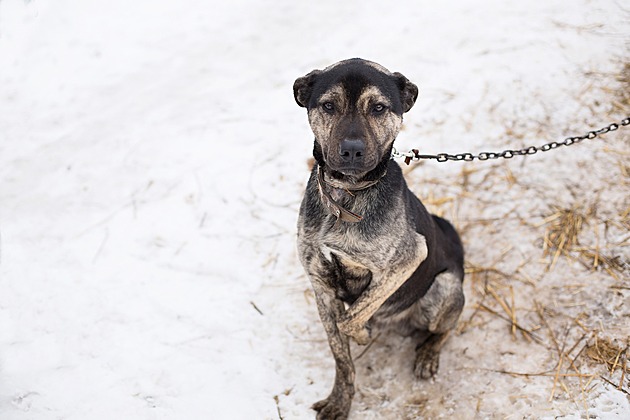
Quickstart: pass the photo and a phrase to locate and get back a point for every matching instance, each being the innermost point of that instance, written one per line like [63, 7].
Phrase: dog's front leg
[384, 283]
[354, 320]
[337, 405]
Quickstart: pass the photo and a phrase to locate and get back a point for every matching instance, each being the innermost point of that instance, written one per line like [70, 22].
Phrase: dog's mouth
[351, 177]
[351, 171]
[349, 174]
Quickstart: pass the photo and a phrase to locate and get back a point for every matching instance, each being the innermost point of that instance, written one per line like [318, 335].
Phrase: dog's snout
[352, 150]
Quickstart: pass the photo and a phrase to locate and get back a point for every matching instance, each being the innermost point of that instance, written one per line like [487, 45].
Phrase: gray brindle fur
[393, 264]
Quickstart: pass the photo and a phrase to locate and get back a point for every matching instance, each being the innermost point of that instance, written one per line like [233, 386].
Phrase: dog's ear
[303, 88]
[408, 91]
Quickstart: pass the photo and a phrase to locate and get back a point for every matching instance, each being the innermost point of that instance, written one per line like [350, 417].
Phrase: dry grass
[622, 102]
[609, 353]
[563, 229]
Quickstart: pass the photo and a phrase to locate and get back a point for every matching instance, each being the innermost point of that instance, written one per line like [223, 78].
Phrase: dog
[373, 254]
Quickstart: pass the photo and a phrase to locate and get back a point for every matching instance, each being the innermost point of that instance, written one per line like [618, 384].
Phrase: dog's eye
[378, 108]
[328, 107]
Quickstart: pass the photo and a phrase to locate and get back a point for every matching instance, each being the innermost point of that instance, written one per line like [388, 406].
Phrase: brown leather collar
[335, 208]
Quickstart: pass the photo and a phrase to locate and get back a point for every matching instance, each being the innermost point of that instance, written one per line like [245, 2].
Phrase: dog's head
[355, 110]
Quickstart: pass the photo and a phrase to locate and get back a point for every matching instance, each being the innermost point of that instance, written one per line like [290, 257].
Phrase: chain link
[414, 154]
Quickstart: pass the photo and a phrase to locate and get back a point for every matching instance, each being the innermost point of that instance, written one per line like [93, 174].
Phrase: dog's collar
[335, 208]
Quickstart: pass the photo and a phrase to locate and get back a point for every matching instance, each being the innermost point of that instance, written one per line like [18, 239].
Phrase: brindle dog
[373, 253]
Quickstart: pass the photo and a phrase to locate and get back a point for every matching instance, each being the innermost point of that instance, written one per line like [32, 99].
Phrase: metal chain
[414, 154]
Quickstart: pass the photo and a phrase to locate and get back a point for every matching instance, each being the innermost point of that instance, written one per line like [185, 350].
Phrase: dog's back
[453, 244]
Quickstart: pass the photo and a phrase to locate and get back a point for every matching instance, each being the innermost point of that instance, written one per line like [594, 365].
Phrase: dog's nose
[352, 150]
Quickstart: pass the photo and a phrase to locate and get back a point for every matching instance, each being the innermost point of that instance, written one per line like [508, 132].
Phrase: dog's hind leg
[436, 315]
[428, 356]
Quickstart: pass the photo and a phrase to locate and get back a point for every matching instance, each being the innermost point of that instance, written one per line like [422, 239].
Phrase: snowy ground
[152, 161]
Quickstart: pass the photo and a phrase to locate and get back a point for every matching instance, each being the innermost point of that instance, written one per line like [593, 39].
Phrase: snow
[152, 161]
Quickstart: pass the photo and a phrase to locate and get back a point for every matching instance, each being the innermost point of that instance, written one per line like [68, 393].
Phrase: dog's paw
[427, 363]
[335, 407]
[360, 335]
